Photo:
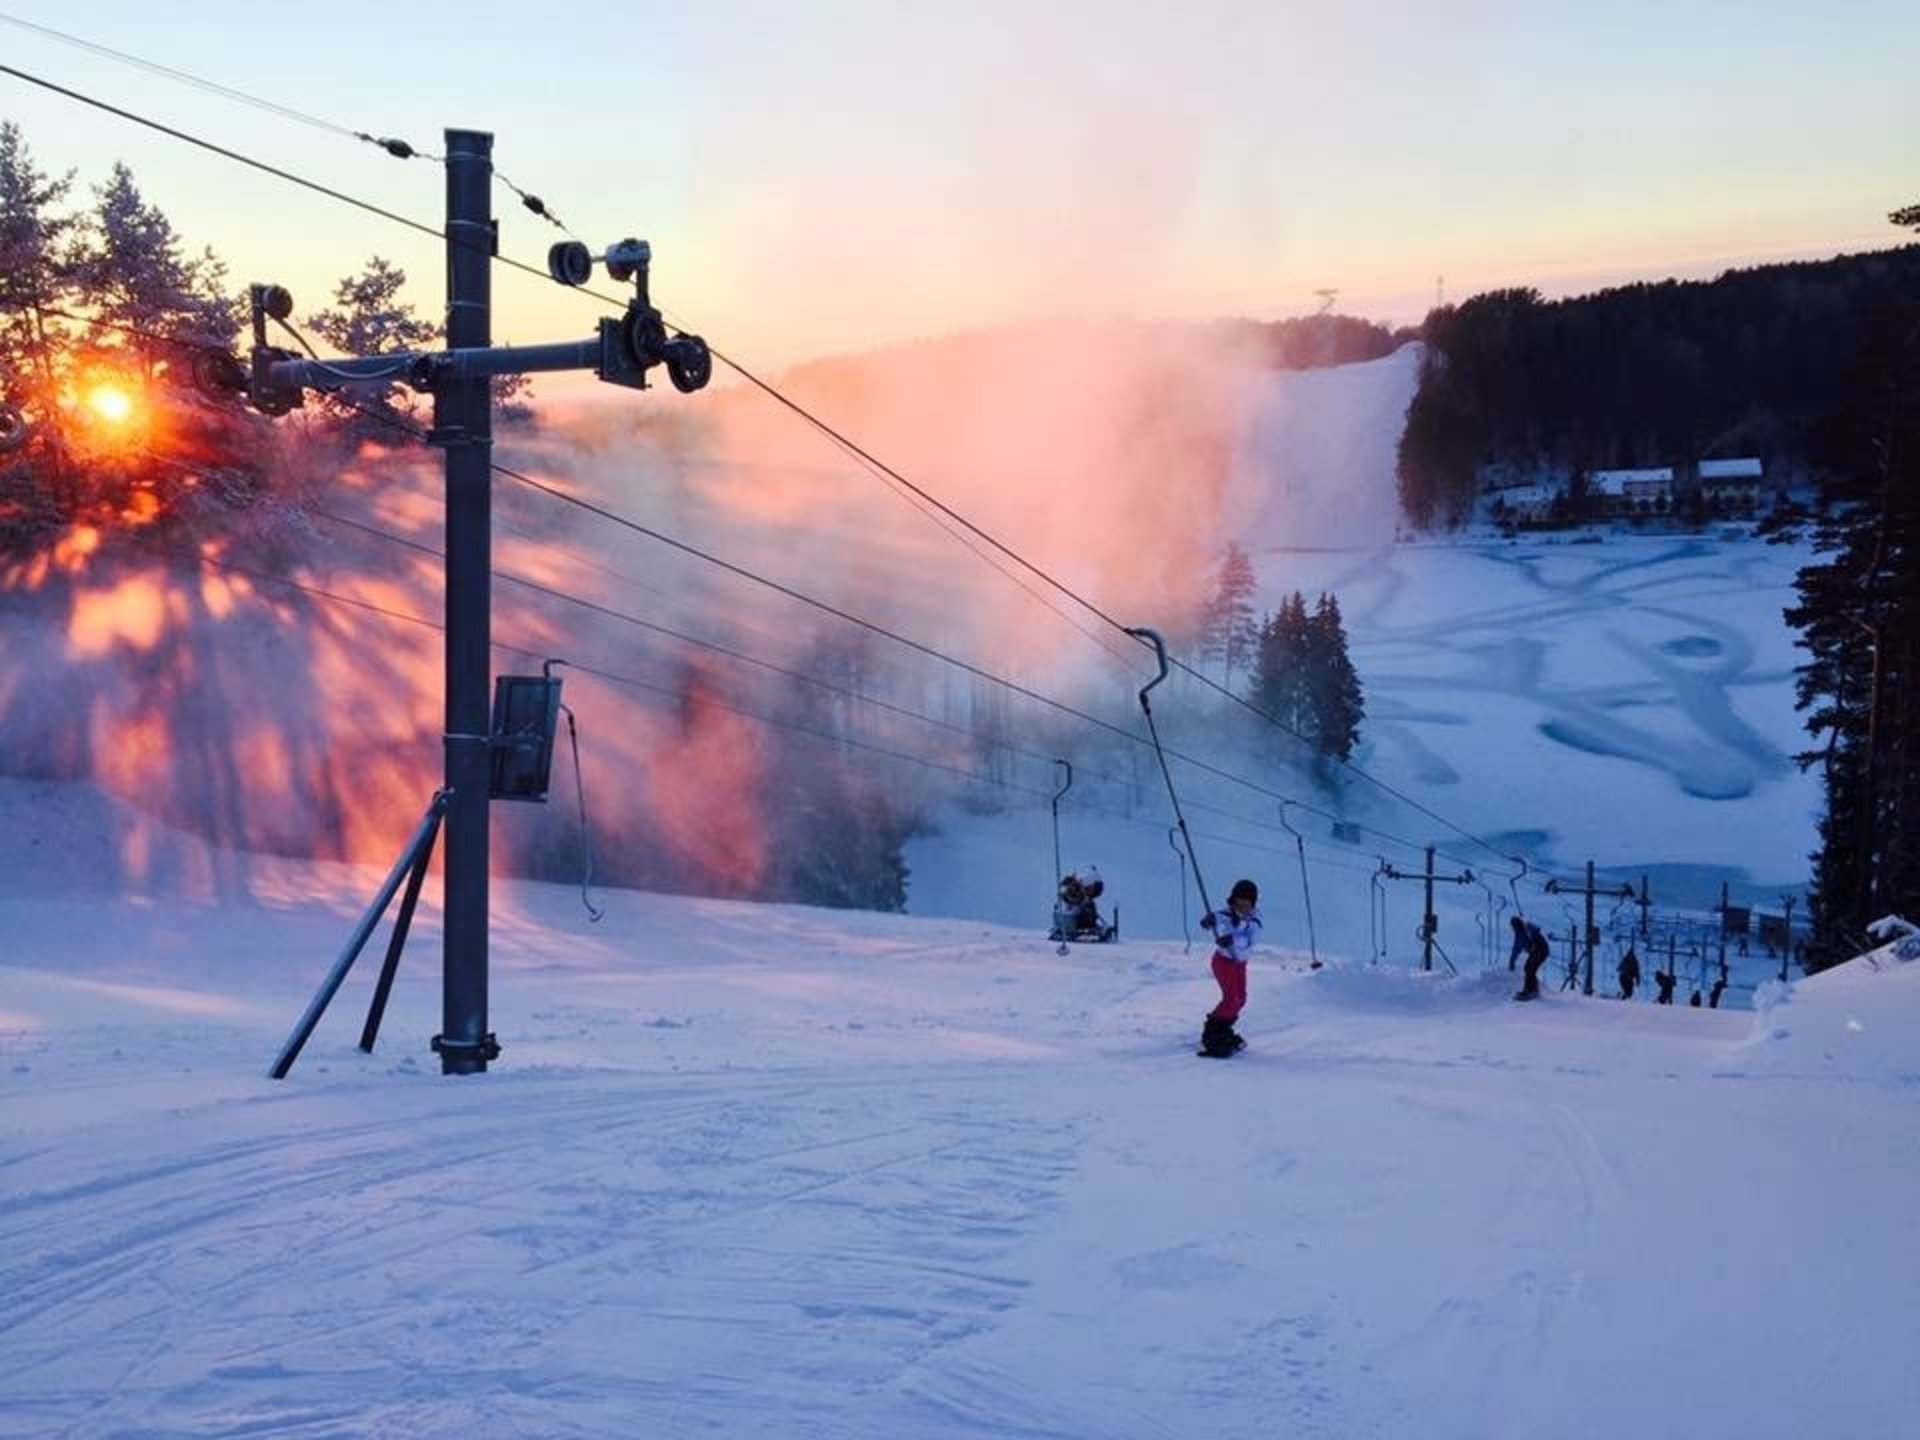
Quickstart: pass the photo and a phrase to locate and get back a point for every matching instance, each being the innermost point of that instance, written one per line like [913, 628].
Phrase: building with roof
[1732, 487]
[1631, 492]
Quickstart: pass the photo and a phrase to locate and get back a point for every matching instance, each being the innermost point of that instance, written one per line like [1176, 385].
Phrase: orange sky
[846, 175]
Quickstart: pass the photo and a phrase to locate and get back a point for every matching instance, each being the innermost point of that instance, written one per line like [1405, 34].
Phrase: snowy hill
[1628, 702]
[749, 1171]
[768, 1170]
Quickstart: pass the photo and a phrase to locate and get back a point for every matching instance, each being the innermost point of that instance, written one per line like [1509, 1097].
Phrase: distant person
[1519, 941]
[1665, 980]
[1078, 914]
[1234, 931]
[1694, 999]
[1538, 952]
[1713, 995]
[1629, 973]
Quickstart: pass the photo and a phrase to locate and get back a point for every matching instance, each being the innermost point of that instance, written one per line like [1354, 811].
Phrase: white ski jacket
[1234, 938]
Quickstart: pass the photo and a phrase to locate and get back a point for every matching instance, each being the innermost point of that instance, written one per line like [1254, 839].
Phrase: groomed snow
[761, 1171]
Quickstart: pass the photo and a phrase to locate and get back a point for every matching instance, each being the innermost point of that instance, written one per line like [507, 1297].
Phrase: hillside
[1752, 363]
[746, 1169]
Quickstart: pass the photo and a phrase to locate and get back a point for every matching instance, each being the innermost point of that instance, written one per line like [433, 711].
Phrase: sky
[842, 176]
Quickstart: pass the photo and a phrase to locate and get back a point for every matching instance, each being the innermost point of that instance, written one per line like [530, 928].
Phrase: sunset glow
[110, 402]
[1289, 148]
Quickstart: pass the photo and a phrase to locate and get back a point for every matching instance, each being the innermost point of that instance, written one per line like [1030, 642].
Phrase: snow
[1317, 457]
[753, 1169]
[748, 1170]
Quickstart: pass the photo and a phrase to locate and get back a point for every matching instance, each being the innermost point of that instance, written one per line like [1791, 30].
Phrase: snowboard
[1223, 1054]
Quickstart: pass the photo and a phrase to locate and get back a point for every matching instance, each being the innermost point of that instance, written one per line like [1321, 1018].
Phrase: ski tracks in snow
[582, 1252]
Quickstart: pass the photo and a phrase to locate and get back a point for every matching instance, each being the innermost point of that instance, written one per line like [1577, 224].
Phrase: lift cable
[788, 403]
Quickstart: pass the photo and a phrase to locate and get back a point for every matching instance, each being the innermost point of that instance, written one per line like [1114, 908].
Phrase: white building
[1732, 487]
[1632, 492]
[1527, 504]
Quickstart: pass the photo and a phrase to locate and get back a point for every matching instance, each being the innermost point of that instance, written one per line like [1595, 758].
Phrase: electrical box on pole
[526, 714]
[503, 749]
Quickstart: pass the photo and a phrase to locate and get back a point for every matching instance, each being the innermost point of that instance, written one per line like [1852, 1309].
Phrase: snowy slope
[751, 1171]
[1628, 702]
[1315, 464]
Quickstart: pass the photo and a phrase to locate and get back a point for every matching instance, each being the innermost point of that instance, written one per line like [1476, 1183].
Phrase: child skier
[1234, 931]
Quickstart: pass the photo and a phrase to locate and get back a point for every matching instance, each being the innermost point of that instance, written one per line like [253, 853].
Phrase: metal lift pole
[463, 426]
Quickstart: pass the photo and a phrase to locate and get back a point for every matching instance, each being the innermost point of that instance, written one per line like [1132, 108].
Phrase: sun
[109, 402]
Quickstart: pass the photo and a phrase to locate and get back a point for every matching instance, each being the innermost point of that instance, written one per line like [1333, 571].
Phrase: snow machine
[1076, 913]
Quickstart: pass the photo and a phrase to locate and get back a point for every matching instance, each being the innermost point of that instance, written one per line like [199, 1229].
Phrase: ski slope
[750, 1171]
[1620, 697]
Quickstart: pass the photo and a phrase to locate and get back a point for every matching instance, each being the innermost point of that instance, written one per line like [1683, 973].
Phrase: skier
[1629, 973]
[1519, 941]
[1538, 950]
[1234, 931]
[1665, 980]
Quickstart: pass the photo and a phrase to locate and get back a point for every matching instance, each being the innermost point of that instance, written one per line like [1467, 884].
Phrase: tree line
[1312, 342]
[1752, 363]
[98, 289]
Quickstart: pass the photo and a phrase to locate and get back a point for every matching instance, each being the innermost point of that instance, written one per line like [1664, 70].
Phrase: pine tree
[1338, 703]
[1859, 613]
[371, 319]
[133, 275]
[1282, 685]
[1229, 635]
[1304, 677]
[34, 274]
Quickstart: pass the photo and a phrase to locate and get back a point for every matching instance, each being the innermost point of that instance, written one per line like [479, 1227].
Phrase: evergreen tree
[370, 318]
[1282, 685]
[1338, 704]
[33, 268]
[1305, 679]
[1229, 635]
[132, 274]
[1859, 612]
